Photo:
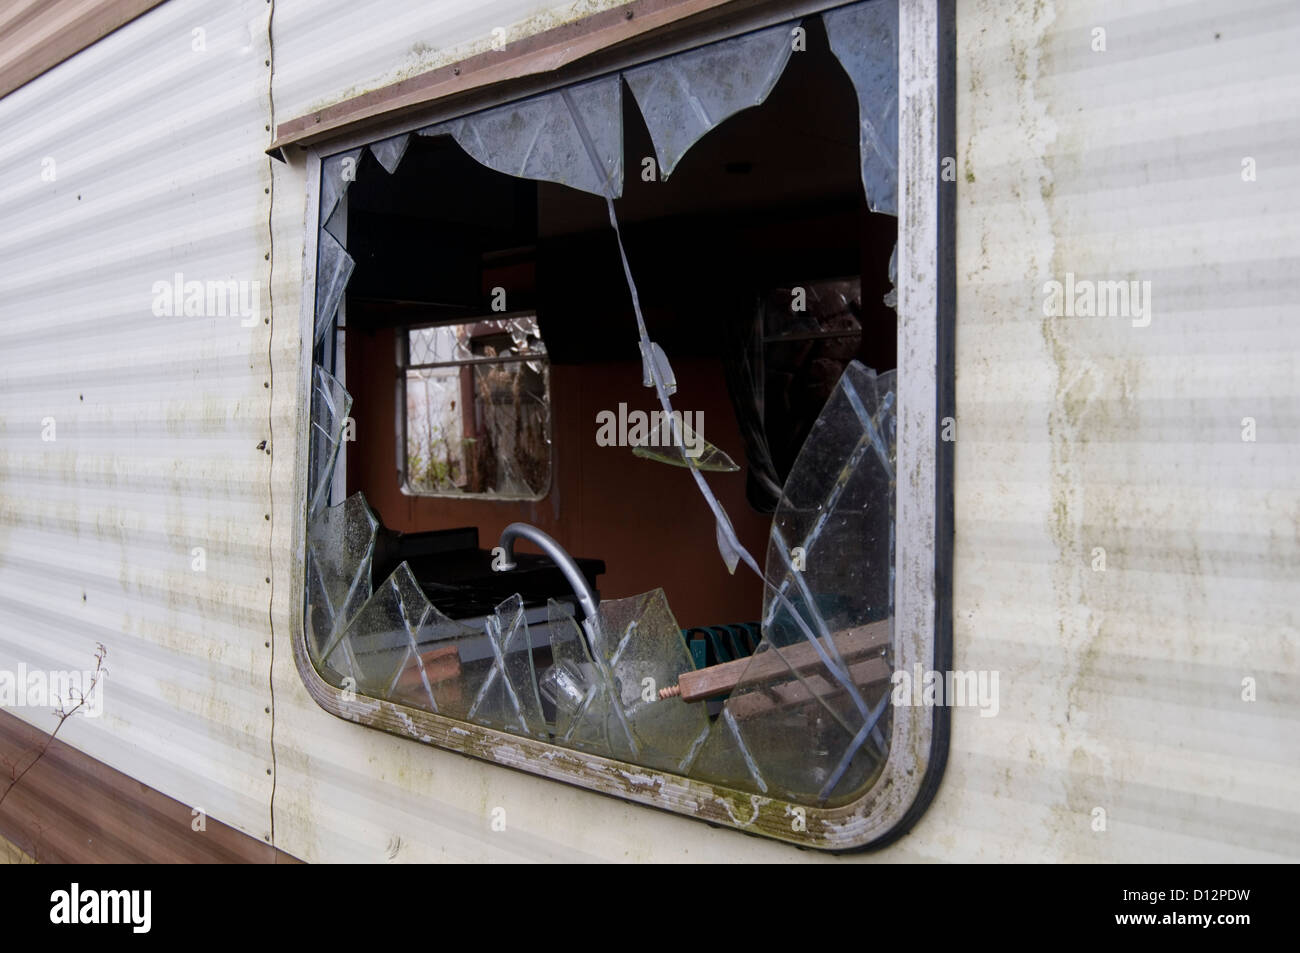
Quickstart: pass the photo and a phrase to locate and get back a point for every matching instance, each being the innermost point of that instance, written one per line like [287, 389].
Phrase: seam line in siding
[270, 409]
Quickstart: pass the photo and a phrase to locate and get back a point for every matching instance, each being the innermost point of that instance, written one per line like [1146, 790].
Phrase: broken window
[706, 241]
[476, 410]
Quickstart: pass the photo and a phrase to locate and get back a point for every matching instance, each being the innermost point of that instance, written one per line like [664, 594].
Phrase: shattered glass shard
[333, 269]
[382, 638]
[817, 689]
[581, 691]
[330, 404]
[836, 502]
[447, 652]
[389, 152]
[508, 696]
[340, 547]
[688, 450]
[337, 173]
[724, 758]
[572, 136]
[864, 38]
[643, 650]
[683, 96]
[891, 296]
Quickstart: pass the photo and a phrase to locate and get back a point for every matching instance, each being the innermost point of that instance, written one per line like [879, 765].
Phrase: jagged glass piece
[571, 136]
[453, 682]
[835, 503]
[864, 38]
[389, 152]
[337, 173]
[725, 758]
[581, 691]
[330, 404]
[340, 547]
[891, 296]
[688, 450]
[683, 96]
[334, 268]
[381, 639]
[642, 646]
[507, 698]
[811, 711]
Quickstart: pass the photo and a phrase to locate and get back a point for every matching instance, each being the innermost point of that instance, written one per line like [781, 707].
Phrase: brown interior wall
[647, 520]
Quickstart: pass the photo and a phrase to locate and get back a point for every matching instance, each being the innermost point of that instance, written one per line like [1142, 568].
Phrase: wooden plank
[796, 692]
[852, 644]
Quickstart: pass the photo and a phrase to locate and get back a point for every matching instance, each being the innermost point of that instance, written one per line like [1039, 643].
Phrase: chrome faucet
[577, 581]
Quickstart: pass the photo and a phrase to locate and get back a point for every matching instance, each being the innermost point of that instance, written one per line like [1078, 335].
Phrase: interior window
[476, 409]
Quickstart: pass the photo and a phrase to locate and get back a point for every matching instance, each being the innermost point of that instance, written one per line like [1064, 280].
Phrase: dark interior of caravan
[757, 256]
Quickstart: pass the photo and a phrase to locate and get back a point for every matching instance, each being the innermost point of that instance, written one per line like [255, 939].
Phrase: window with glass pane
[476, 414]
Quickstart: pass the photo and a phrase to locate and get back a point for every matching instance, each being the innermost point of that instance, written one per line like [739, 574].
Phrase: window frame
[922, 634]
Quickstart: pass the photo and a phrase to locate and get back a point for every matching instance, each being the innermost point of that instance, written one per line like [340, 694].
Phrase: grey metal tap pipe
[577, 581]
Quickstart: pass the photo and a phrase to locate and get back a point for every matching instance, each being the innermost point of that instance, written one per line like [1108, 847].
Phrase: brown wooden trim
[70, 808]
[37, 35]
[540, 53]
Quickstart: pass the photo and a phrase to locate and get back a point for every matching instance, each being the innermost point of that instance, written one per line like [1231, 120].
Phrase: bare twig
[63, 714]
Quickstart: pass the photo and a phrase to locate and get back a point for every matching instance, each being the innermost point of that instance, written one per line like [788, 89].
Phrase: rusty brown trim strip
[542, 52]
[71, 808]
[37, 36]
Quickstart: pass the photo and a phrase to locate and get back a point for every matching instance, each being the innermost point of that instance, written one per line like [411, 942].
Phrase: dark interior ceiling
[773, 195]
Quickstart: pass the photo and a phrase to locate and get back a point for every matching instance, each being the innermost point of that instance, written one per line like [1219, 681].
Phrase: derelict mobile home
[604, 430]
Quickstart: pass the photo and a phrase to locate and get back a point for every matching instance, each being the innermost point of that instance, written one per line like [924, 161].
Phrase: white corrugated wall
[1120, 689]
[135, 160]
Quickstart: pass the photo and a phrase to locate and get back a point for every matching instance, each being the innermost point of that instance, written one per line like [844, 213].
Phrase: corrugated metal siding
[1122, 689]
[158, 169]
[1119, 690]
